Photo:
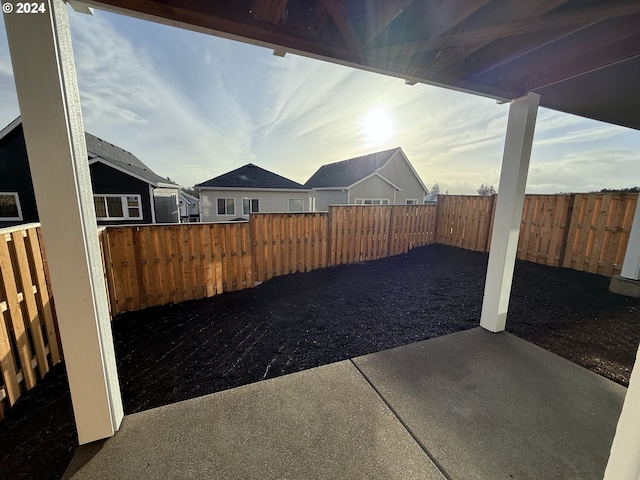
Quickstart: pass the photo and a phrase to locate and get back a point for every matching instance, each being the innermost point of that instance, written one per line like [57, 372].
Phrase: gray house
[250, 189]
[189, 208]
[381, 178]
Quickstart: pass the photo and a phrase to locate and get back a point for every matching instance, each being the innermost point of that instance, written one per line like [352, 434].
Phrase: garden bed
[171, 353]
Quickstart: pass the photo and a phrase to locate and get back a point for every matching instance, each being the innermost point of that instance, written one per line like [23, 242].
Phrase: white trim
[225, 207]
[240, 189]
[250, 205]
[415, 200]
[363, 200]
[342, 189]
[124, 200]
[289, 205]
[9, 128]
[375, 174]
[17, 197]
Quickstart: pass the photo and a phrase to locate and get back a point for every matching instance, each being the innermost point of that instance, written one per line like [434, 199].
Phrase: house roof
[99, 149]
[110, 154]
[189, 198]
[251, 176]
[347, 172]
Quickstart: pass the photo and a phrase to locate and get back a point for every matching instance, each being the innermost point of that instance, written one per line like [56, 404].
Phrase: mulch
[294, 322]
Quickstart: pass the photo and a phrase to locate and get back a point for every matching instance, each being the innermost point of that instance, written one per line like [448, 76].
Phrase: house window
[412, 201]
[296, 204]
[226, 206]
[118, 207]
[10, 206]
[250, 205]
[372, 201]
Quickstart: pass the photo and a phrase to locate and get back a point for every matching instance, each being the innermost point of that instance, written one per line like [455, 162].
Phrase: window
[372, 201]
[412, 201]
[226, 206]
[10, 206]
[250, 205]
[296, 204]
[118, 207]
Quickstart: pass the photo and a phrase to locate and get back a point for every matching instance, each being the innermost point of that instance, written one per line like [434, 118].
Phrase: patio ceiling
[581, 56]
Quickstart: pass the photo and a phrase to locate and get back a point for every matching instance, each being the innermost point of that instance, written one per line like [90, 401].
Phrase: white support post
[631, 264]
[628, 282]
[624, 459]
[46, 83]
[506, 224]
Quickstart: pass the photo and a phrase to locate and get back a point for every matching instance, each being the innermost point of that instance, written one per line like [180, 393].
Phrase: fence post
[567, 227]
[390, 233]
[330, 245]
[435, 223]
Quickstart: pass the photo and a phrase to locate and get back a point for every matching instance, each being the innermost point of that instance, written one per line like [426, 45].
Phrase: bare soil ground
[172, 353]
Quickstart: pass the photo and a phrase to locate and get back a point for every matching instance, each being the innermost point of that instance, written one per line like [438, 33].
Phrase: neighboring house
[189, 207]
[125, 190]
[250, 189]
[381, 178]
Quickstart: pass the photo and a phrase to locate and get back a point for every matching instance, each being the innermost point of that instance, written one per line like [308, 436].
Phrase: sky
[194, 106]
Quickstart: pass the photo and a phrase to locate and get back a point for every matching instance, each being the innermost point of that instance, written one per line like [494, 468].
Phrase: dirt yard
[167, 354]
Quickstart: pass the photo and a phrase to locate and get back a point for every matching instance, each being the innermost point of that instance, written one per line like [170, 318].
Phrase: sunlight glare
[377, 126]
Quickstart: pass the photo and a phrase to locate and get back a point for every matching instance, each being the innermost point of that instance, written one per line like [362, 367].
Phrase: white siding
[270, 202]
[373, 187]
[399, 173]
[324, 198]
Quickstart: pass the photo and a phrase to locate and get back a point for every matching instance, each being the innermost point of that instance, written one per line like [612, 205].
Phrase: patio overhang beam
[47, 88]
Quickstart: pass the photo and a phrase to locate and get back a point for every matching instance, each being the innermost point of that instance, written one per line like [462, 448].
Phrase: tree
[486, 190]
[435, 190]
[620, 190]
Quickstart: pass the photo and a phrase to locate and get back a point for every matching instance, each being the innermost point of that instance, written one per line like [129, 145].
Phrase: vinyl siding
[270, 202]
[106, 180]
[15, 176]
[166, 205]
[398, 172]
[373, 187]
[324, 198]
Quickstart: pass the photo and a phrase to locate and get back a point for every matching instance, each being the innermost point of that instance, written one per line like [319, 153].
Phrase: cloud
[194, 106]
[585, 171]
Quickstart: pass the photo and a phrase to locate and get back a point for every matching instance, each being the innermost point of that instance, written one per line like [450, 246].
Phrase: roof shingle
[251, 176]
[347, 172]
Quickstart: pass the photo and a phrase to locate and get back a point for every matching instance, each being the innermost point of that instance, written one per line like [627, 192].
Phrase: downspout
[153, 205]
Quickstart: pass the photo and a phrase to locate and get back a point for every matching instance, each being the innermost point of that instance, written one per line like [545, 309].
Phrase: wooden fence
[155, 264]
[29, 344]
[361, 234]
[159, 264]
[583, 231]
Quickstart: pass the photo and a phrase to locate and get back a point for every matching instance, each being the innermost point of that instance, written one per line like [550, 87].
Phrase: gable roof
[251, 176]
[189, 198]
[112, 155]
[100, 150]
[345, 173]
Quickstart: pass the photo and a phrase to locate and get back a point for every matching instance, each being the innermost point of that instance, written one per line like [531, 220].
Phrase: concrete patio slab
[493, 406]
[326, 422]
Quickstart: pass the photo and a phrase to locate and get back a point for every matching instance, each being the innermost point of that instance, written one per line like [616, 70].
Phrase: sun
[377, 126]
